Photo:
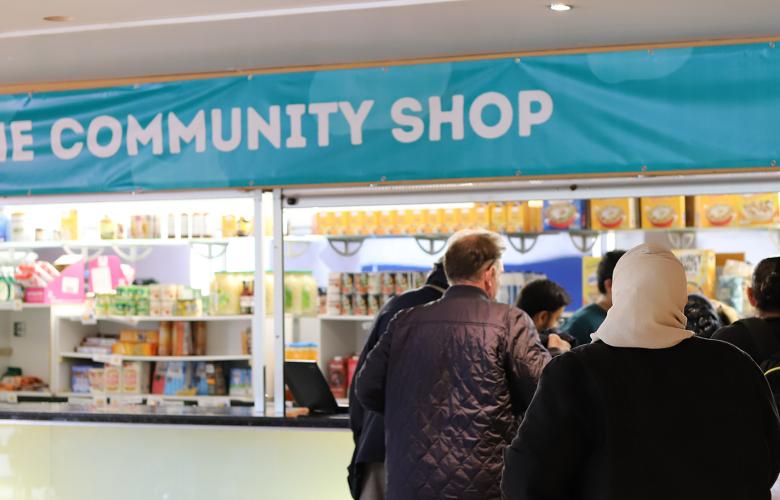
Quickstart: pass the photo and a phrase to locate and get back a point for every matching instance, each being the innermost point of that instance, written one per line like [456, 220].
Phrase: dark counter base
[163, 415]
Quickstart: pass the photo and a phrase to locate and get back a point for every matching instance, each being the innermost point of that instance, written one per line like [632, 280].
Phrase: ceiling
[153, 37]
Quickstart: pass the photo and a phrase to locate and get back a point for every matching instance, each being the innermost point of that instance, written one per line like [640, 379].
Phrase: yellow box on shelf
[355, 223]
[516, 217]
[418, 221]
[663, 212]
[613, 213]
[700, 270]
[388, 222]
[535, 216]
[371, 222]
[717, 211]
[435, 221]
[760, 210]
[498, 217]
[590, 286]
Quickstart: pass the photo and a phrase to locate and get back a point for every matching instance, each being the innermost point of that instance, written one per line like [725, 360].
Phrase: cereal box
[663, 212]
[482, 216]
[760, 210]
[498, 217]
[613, 213]
[388, 222]
[451, 220]
[590, 286]
[434, 221]
[563, 214]
[717, 211]
[700, 269]
[516, 217]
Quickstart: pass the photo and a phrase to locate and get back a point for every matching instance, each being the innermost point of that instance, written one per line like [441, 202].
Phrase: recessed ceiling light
[58, 19]
[560, 7]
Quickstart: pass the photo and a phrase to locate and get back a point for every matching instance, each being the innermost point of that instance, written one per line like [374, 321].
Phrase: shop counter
[169, 415]
[81, 452]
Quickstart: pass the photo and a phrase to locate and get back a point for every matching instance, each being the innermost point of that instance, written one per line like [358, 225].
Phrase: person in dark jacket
[452, 379]
[366, 470]
[544, 301]
[759, 337]
[660, 416]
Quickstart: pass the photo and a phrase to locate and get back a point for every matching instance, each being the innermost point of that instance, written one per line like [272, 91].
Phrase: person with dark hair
[703, 318]
[544, 301]
[659, 413]
[759, 337]
[367, 468]
[588, 319]
[452, 379]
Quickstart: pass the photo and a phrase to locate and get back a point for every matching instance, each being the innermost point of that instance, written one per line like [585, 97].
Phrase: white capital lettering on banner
[296, 139]
[323, 110]
[271, 129]
[415, 123]
[57, 148]
[178, 132]
[526, 116]
[356, 120]
[439, 117]
[110, 149]
[231, 144]
[21, 139]
[137, 134]
[504, 121]
[3, 143]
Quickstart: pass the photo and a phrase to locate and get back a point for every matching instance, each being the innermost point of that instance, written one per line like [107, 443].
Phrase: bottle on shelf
[247, 299]
[107, 229]
[185, 225]
[171, 226]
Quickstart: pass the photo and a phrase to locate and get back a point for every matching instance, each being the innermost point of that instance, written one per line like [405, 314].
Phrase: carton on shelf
[435, 221]
[418, 221]
[590, 285]
[340, 223]
[534, 216]
[516, 220]
[371, 223]
[700, 270]
[355, 223]
[482, 216]
[613, 213]
[759, 210]
[324, 223]
[135, 377]
[663, 212]
[717, 211]
[498, 217]
[451, 221]
[563, 214]
[388, 222]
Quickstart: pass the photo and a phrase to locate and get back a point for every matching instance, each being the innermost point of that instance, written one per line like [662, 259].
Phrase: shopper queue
[446, 404]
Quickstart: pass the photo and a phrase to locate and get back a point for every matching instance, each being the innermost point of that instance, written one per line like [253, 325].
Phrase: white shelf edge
[16, 307]
[194, 359]
[143, 242]
[45, 394]
[346, 318]
[155, 396]
[148, 319]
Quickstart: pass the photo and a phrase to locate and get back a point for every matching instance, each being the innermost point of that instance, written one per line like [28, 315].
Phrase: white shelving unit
[119, 359]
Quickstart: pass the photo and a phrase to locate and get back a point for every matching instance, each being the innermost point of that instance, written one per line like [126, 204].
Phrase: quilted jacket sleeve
[527, 358]
[551, 438]
[371, 379]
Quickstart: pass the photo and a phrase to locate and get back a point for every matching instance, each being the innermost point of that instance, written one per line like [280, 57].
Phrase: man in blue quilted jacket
[453, 378]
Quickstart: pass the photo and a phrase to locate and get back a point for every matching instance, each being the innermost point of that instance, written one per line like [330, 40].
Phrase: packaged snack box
[590, 285]
[759, 210]
[482, 216]
[340, 223]
[418, 221]
[135, 377]
[371, 222]
[663, 212]
[435, 221]
[388, 222]
[498, 217]
[516, 217]
[717, 211]
[563, 214]
[613, 213]
[451, 220]
[356, 223]
[468, 218]
[534, 216]
[405, 224]
[700, 269]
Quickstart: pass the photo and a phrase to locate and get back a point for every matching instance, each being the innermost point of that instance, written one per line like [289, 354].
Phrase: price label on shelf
[128, 400]
[18, 305]
[8, 397]
[154, 401]
[109, 359]
[214, 402]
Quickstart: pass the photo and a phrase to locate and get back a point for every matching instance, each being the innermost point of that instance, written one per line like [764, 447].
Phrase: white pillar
[258, 319]
[278, 303]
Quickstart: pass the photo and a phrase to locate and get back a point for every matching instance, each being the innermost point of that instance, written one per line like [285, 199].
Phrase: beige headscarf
[649, 293]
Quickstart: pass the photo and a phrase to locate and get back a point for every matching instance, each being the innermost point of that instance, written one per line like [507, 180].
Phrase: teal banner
[703, 108]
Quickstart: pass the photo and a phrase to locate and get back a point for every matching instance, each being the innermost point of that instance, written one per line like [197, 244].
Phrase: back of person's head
[470, 253]
[766, 285]
[542, 295]
[703, 319]
[607, 268]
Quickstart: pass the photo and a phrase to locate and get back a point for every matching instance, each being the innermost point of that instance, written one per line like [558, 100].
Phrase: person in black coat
[368, 428]
[662, 414]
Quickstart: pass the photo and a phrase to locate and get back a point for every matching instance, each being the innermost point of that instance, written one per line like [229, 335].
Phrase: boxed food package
[534, 216]
[97, 379]
[498, 217]
[112, 378]
[760, 210]
[590, 283]
[663, 212]
[337, 377]
[164, 335]
[700, 269]
[340, 223]
[181, 340]
[158, 380]
[79, 379]
[418, 221]
[717, 211]
[435, 221]
[371, 223]
[563, 214]
[135, 377]
[734, 278]
[356, 223]
[324, 223]
[451, 220]
[240, 382]
[481, 216]
[516, 221]
[388, 222]
[178, 378]
[613, 213]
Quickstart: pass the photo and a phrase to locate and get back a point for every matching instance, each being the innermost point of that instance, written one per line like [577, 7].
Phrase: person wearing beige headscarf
[659, 417]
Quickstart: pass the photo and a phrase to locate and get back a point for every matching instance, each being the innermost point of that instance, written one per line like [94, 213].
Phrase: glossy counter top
[164, 415]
